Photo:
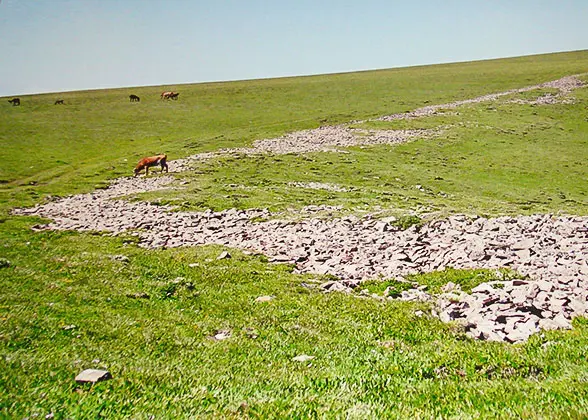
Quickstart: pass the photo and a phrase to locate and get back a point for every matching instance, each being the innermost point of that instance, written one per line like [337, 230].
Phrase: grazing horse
[59, 102]
[166, 95]
[134, 98]
[174, 96]
[151, 161]
[14, 101]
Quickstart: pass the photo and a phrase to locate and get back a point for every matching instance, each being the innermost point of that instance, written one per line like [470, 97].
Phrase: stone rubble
[303, 358]
[565, 85]
[551, 250]
[322, 139]
[319, 186]
[548, 99]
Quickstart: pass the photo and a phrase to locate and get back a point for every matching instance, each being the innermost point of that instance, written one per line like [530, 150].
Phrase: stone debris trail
[565, 85]
[552, 251]
[323, 139]
[331, 138]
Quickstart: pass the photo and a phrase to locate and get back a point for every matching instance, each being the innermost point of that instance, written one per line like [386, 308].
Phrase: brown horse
[166, 95]
[151, 161]
[14, 101]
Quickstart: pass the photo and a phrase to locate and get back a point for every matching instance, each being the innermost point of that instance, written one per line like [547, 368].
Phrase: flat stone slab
[93, 376]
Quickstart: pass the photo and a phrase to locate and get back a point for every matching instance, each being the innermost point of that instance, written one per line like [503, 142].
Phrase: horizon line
[292, 76]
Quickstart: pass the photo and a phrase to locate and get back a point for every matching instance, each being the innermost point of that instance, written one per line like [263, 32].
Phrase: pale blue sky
[61, 45]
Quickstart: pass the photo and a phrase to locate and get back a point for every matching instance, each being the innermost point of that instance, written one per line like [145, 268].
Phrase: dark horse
[59, 102]
[134, 98]
[174, 96]
[14, 101]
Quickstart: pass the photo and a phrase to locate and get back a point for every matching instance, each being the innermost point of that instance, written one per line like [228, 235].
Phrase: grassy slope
[373, 359]
[493, 159]
[73, 147]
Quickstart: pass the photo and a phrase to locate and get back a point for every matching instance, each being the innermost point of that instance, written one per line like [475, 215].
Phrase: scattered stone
[264, 298]
[565, 85]
[336, 286]
[93, 376]
[4, 263]
[223, 256]
[222, 335]
[251, 332]
[120, 258]
[390, 344]
[303, 358]
[319, 186]
[450, 287]
[523, 245]
[138, 295]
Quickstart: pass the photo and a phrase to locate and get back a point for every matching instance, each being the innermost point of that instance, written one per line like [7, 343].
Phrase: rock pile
[553, 251]
[332, 137]
[514, 310]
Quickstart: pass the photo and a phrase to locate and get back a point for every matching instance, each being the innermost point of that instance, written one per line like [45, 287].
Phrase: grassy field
[69, 301]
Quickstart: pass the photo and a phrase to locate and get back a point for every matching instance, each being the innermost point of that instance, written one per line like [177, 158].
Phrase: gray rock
[549, 324]
[222, 335]
[483, 288]
[93, 376]
[450, 287]
[578, 306]
[120, 258]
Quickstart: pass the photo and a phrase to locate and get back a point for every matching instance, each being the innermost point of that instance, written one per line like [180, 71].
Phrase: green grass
[100, 135]
[69, 303]
[372, 359]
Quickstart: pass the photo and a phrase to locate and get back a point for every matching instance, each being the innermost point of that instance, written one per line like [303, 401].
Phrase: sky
[64, 45]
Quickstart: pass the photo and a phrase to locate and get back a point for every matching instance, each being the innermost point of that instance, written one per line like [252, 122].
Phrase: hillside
[400, 243]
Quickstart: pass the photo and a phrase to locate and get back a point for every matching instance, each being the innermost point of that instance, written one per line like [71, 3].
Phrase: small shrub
[405, 222]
